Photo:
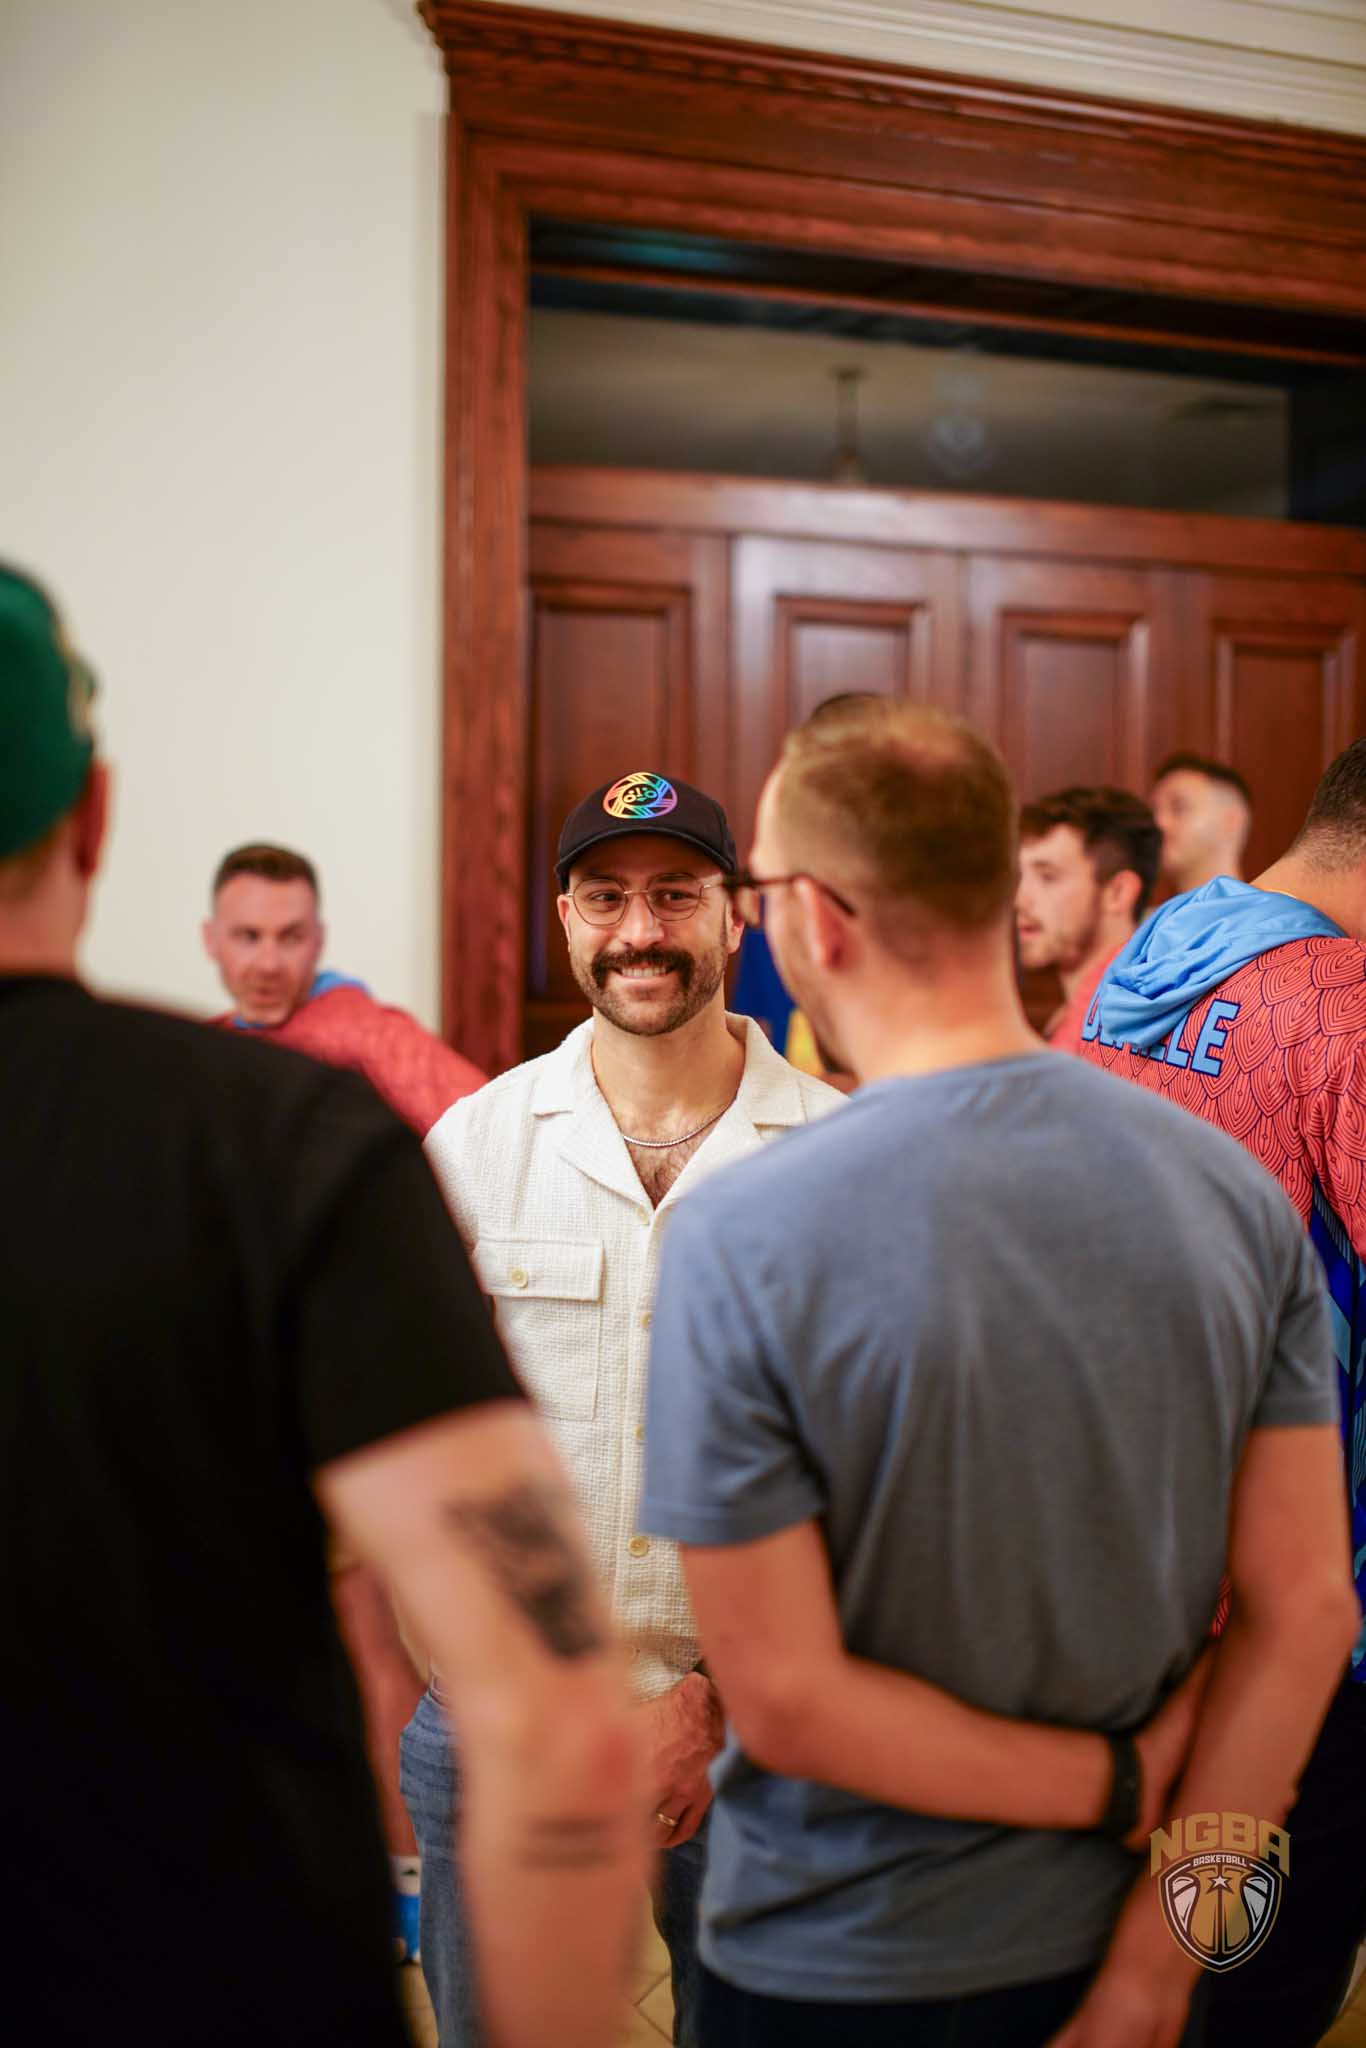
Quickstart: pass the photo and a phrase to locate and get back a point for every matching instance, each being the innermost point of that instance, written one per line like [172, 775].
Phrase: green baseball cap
[46, 744]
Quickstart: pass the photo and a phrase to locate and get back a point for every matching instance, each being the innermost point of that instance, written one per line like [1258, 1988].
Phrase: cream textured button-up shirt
[564, 1239]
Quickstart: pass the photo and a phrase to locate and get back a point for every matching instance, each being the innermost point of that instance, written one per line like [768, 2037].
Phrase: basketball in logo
[640, 796]
[1221, 1908]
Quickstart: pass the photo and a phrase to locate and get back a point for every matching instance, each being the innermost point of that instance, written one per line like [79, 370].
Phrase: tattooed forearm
[570, 1844]
[521, 1537]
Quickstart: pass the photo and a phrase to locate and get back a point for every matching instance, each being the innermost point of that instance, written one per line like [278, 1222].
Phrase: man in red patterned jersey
[1246, 1003]
[265, 937]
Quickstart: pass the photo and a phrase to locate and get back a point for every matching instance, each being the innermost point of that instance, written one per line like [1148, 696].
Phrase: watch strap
[1120, 1817]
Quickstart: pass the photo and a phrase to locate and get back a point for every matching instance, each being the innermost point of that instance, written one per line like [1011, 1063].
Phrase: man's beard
[1083, 943]
[1063, 952]
[697, 982]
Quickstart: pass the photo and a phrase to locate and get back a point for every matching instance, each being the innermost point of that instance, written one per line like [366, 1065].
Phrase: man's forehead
[256, 898]
[1188, 783]
[1061, 843]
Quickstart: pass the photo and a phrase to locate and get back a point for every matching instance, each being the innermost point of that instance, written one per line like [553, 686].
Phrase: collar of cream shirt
[770, 1094]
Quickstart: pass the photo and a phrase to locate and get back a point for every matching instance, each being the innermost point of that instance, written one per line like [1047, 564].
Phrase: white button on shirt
[564, 1238]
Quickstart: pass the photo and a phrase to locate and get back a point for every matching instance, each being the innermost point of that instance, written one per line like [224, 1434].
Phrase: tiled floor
[1350, 2031]
[651, 2018]
[652, 2010]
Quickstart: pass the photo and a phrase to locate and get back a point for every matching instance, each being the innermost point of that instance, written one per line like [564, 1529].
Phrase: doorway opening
[743, 503]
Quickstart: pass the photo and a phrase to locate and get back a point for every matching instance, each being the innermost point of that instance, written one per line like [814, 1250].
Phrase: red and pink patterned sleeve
[1327, 1069]
[416, 1072]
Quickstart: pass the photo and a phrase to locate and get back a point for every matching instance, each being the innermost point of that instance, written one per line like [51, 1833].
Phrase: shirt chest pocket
[547, 1295]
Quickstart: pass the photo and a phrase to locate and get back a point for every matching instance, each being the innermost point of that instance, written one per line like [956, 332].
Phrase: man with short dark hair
[564, 1176]
[265, 936]
[970, 1392]
[235, 1313]
[1246, 1003]
[273, 863]
[1204, 812]
[1088, 861]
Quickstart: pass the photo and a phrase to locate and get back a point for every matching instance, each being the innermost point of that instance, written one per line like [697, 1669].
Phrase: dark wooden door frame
[561, 117]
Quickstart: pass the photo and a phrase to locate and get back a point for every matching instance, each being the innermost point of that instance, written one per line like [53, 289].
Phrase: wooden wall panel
[813, 618]
[956, 521]
[1276, 687]
[693, 646]
[627, 653]
[1062, 658]
[831, 648]
[610, 688]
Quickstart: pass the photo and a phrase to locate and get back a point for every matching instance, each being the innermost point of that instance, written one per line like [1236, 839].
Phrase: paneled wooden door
[1071, 668]
[1273, 683]
[685, 623]
[628, 660]
[813, 618]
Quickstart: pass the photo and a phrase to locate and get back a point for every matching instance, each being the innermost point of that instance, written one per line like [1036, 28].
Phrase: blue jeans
[430, 1784]
[676, 1893]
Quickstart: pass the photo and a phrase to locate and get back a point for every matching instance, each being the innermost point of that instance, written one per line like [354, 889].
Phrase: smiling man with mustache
[562, 1175]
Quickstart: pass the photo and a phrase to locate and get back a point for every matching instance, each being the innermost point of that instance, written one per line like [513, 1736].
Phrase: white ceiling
[663, 394]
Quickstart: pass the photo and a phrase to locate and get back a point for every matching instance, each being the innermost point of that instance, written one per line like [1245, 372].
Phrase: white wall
[220, 320]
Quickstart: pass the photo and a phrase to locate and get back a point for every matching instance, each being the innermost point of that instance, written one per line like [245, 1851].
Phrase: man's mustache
[659, 958]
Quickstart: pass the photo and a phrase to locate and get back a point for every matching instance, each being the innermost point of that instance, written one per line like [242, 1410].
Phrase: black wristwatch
[1120, 1817]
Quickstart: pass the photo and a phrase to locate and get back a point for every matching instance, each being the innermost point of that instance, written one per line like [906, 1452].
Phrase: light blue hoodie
[1189, 948]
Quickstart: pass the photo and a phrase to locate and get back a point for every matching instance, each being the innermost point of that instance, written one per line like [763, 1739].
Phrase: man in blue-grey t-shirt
[959, 1404]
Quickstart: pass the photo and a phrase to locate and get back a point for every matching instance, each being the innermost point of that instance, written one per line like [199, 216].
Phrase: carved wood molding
[1276, 63]
[519, 41]
[956, 522]
[1011, 179]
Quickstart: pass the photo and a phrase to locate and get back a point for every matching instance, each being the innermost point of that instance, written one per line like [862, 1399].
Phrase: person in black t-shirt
[236, 1316]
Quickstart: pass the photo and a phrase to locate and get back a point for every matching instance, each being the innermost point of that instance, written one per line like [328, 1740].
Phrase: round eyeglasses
[606, 903]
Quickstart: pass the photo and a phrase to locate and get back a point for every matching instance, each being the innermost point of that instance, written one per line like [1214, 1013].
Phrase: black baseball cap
[644, 802]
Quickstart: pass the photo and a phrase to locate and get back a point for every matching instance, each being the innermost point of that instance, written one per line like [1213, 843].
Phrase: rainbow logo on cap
[640, 796]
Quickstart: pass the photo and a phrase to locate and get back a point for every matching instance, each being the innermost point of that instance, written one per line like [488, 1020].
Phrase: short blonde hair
[915, 809]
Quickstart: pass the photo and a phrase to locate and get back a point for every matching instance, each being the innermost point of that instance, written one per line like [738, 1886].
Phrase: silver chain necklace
[665, 1144]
